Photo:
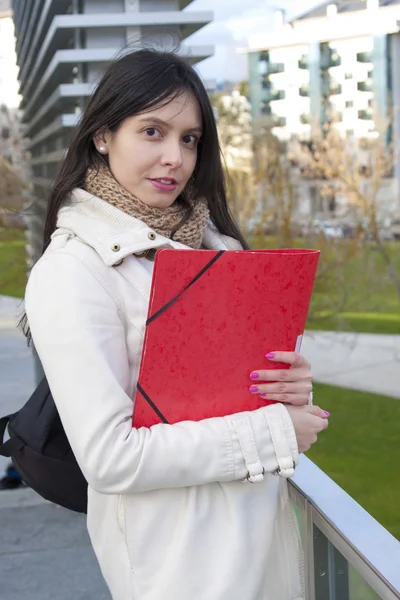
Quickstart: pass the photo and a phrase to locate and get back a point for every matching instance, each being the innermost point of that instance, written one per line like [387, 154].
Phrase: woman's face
[153, 154]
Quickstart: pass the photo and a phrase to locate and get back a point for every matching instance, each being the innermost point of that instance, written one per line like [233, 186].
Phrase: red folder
[212, 318]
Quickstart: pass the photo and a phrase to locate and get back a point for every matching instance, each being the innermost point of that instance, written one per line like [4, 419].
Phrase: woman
[178, 512]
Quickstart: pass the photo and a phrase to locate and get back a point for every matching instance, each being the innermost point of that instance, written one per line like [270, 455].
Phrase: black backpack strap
[3, 426]
[11, 446]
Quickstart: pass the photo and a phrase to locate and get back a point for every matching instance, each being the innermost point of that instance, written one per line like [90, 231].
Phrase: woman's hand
[290, 386]
[308, 422]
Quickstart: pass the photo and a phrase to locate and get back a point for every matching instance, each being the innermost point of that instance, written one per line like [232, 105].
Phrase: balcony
[366, 115]
[271, 95]
[330, 88]
[304, 90]
[330, 60]
[364, 57]
[305, 119]
[347, 554]
[265, 109]
[364, 86]
[274, 68]
[303, 64]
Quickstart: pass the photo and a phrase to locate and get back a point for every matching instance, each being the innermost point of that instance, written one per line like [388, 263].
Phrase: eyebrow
[165, 124]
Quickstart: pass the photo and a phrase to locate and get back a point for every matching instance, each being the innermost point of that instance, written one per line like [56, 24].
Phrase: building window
[349, 104]
[348, 76]
[371, 102]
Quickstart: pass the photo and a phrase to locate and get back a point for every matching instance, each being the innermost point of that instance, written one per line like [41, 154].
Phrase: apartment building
[337, 62]
[62, 48]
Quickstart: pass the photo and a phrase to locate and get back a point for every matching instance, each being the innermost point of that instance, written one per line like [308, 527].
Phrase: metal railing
[348, 554]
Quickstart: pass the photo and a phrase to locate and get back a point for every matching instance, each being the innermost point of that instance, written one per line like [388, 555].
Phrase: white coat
[172, 510]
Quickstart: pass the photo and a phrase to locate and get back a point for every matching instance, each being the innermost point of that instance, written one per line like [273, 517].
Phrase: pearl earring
[102, 149]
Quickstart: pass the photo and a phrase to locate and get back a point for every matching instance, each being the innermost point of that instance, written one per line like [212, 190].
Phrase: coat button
[115, 247]
[152, 236]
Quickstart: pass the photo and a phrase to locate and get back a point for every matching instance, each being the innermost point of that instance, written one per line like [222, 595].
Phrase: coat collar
[115, 235]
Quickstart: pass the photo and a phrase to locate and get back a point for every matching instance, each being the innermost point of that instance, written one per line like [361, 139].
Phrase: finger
[317, 411]
[324, 424]
[282, 387]
[293, 399]
[291, 358]
[302, 373]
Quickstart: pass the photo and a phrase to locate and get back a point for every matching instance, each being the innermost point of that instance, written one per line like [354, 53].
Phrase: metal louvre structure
[62, 49]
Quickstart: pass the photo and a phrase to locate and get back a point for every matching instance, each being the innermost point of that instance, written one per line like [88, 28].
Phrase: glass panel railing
[359, 589]
[348, 555]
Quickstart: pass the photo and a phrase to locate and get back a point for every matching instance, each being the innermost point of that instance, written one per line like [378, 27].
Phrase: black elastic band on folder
[204, 269]
[149, 400]
[163, 309]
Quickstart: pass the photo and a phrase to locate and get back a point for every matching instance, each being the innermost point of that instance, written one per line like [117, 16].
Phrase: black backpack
[41, 453]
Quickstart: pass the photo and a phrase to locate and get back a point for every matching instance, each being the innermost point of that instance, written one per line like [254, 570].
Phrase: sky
[234, 22]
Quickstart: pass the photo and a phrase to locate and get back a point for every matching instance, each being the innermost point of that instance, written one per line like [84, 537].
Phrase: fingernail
[328, 414]
[253, 388]
[263, 395]
[270, 355]
[254, 376]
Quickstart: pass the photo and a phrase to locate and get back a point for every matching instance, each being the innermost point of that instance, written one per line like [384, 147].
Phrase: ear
[100, 140]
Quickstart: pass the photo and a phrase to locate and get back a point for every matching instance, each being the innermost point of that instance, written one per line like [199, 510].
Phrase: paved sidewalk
[358, 361]
[17, 377]
[45, 552]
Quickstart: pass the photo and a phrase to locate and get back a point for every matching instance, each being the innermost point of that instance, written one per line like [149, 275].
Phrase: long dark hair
[135, 83]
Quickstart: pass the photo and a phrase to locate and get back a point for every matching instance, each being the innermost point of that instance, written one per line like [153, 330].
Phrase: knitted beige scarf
[102, 184]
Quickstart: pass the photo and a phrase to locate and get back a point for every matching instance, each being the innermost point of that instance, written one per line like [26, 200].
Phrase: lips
[166, 180]
[164, 184]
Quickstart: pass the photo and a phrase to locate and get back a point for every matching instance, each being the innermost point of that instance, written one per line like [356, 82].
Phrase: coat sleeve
[78, 332]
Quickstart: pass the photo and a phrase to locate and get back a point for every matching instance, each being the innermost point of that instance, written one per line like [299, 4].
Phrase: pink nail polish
[263, 395]
[254, 376]
[328, 414]
[270, 355]
[253, 388]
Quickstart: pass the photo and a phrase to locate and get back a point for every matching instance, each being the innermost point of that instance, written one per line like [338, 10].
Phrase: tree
[277, 176]
[12, 199]
[274, 176]
[356, 170]
[235, 134]
[244, 89]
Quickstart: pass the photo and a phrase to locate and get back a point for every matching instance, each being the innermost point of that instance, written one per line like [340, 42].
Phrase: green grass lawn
[12, 262]
[361, 451]
[362, 322]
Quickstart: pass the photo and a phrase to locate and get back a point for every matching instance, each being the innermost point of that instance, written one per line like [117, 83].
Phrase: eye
[152, 132]
[191, 140]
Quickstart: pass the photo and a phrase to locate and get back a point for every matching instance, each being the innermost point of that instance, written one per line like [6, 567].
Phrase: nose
[172, 154]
